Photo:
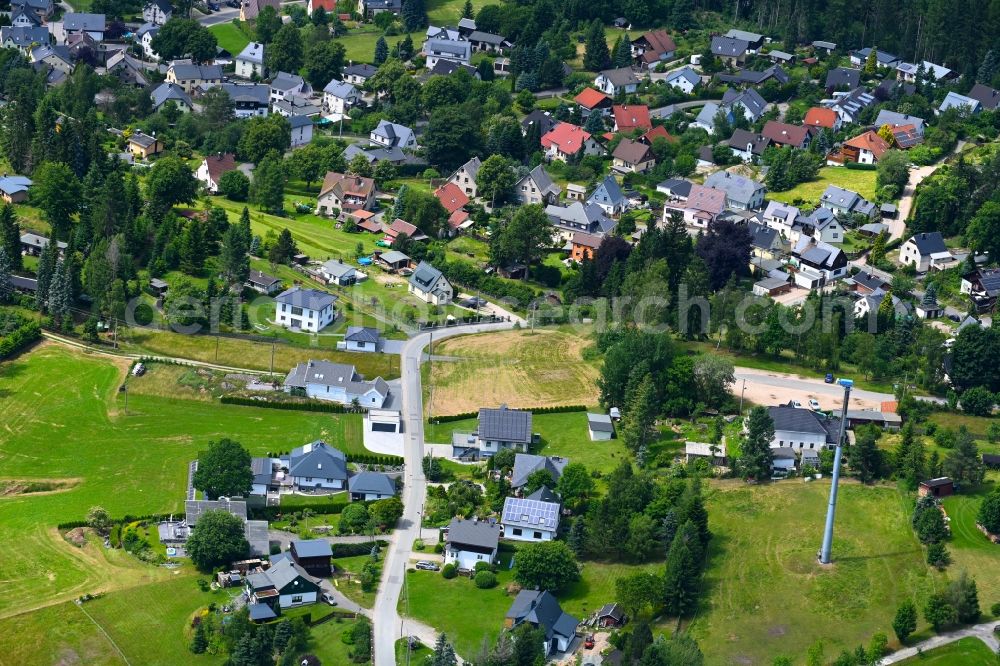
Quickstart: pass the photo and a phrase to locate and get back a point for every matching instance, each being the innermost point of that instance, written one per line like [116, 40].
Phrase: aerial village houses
[925, 251]
[614, 82]
[471, 541]
[344, 192]
[499, 428]
[537, 188]
[316, 465]
[336, 382]
[430, 285]
[370, 486]
[566, 141]
[211, 169]
[263, 283]
[541, 610]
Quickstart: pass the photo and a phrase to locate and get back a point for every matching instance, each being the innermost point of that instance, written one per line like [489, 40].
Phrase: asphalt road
[983, 632]
[670, 109]
[389, 626]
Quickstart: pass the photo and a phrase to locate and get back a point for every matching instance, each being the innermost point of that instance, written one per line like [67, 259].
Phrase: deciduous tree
[224, 470]
[755, 458]
[285, 53]
[546, 565]
[905, 622]
[218, 540]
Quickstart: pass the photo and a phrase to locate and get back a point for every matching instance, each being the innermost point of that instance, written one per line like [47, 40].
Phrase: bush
[234, 185]
[418, 544]
[978, 401]
[995, 610]
[449, 571]
[937, 555]
[439, 548]
[482, 566]
[485, 580]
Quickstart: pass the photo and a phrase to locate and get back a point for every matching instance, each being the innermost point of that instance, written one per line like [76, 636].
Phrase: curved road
[389, 626]
[983, 632]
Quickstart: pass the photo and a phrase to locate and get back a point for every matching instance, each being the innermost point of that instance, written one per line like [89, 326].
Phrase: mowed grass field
[963, 652]
[62, 418]
[767, 596]
[519, 368]
[970, 549]
[229, 37]
[862, 182]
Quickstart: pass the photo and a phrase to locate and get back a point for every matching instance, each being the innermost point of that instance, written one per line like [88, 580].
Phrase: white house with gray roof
[393, 135]
[748, 101]
[76, 23]
[845, 202]
[924, 250]
[525, 519]
[430, 285]
[742, 193]
[284, 585]
[536, 187]
[471, 541]
[336, 382]
[500, 428]
[317, 465]
[541, 610]
[285, 85]
[250, 61]
[249, 99]
[190, 76]
[685, 80]
[454, 50]
[308, 310]
[798, 428]
[609, 197]
[579, 216]
[362, 339]
[339, 97]
[170, 92]
[613, 82]
[465, 177]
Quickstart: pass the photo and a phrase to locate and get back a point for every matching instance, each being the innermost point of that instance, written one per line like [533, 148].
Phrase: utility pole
[125, 389]
[216, 347]
[741, 396]
[272, 358]
[824, 555]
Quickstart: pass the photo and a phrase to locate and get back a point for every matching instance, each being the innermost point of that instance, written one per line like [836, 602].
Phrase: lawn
[976, 425]
[230, 37]
[350, 587]
[970, 549]
[767, 596]
[63, 419]
[856, 180]
[417, 654]
[518, 368]
[963, 652]
[326, 641]
[59, 634]
[561, 435]
[128, 616]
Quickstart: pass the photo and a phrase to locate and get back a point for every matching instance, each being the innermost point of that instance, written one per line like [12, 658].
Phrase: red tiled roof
[329, 6]
[371, 226]
[632, 117]
[587, 240]
[458, 218]
[655, 133]
[347, 184]
[889, 407]
[590, 98]
[399, 226]
[785, 134]
[819, 116]
[869, 141]
[451, 197]
[568, 138]
[906, 136]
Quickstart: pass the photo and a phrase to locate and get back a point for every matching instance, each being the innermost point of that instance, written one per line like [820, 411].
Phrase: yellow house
[143, 146]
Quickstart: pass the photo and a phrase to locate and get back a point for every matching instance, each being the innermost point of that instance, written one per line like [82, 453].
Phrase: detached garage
[384, 420]
[600, 427]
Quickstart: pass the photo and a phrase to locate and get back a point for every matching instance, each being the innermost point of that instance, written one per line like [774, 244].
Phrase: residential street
[983, 632]
[389, 626]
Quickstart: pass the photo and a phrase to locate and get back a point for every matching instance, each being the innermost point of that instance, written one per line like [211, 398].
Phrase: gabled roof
[543, 181]
[312, 548]
[25, 36]
[632, 152]
[819, 116]
[751, 37]
[252, 53]
[742, 138]
[706, 199]
[568, 138]
[185, 70]
[362, 70]
[869, 141]
[543, 119]
[986, 96]
[750, 99]
[312, 299]
[541, 609]
[795, 419]
[657, 132]
[525, 464]
[590, 98]
[337, 269]
[194, 509]
[341, 184]
[371, 482]
[530, 514]
[785, 134]
[425, 276]
[219, 164]
[280, 576]
[142, 140]
[736, 187]
[251, 8]
[762, 236]
[929, 242]
[263, 279]
[846, 199]
[319, 460]
[81, 21]
[609, 186]
[505, 425]
[395, 133]
[15, 185]
[686, 73]
[621, 77]
[451, 197]
[284, 81]
[955, 101]
[341, 89]
[476, 533]
[894, 119]
[657, 41]
[729, 47]
[631, 117]
[843, 77]
[248, 93]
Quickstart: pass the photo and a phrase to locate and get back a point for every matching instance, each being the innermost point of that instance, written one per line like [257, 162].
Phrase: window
[297, 599]
[517, 531]
[297, 311]
[538, 535]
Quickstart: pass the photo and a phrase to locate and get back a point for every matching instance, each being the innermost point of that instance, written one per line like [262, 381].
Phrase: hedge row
[371, 459]
[558, 409]
[355, 549]
[272, 512]
[311, 406]
[858, 166]
[148, 518]
[19, 338]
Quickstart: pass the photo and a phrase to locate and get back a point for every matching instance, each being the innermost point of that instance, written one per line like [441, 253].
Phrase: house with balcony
[345, 192]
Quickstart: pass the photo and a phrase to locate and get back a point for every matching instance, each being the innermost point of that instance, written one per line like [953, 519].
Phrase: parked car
[588, 643]
[955, 318]
[814, 404]
[829, 378]
[796, 404]
[328, 599]
[139, 370]
[426, 565]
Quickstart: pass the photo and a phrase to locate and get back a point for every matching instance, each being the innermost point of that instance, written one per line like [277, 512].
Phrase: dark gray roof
[361, 334]
[929, 242]
[741, 138]
[256, 93]
[296, 121]
[679, 187]
[318, 460]
[762, 236]
[23, 283]
[610, 188]
[193, 509]
[544, 120]
[541, 609]
[750, 99]
[285, 81]
[988, 97]
[736, 187]
[79, 21]
[843, 77]
[253, 53]
[165, 92]
[543, 494]
[530, 514]
[729, 46]
[477, 533]
[363, 70]
[312, 548]
[185, 70]
[312, 299]
[600, 423]
[486, 38]
[424, 276]
[449, 67]
[371, 482]
[525, 464]
[25, 36]
[623, 76]
[279, 576]
[263, 279]
[869, 281]
[262, 470]
[505, 425]
[795, 419]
